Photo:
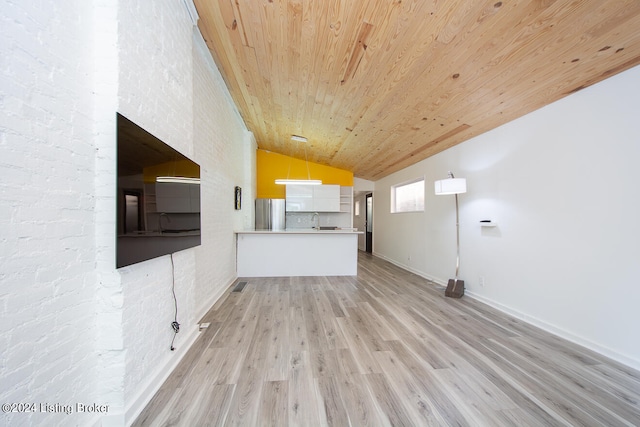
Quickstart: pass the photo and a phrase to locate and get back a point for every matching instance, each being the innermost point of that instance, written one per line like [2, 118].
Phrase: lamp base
[455, 288]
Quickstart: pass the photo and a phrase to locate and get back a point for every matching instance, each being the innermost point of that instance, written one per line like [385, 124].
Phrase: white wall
[169, 85]
[75, 329]
[228, 158]
[155, 90]
[561, 183]
[47, 202]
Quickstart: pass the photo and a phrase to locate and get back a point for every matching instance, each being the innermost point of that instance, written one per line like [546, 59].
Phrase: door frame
[368, 219]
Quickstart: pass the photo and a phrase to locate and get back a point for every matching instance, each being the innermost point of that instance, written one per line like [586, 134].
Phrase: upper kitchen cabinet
[299, 198]
[313, 198]
[177, 198]
[326, 198]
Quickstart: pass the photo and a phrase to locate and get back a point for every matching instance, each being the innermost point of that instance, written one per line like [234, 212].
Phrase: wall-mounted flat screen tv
[158, 198]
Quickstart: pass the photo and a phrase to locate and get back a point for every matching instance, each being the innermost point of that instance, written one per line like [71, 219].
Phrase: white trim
[422, 274]
[147, 392]
[548, 327]
[392, 196]
[534, 321]
[208, 304]
[191, 9]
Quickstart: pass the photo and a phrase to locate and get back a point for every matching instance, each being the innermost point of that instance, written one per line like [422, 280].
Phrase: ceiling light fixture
[299, 181]
[298, 138]
[452, 185]
[308, 181]
[178, 180]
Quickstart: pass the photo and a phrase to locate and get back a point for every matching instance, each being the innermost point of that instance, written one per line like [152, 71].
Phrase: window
[408, 197]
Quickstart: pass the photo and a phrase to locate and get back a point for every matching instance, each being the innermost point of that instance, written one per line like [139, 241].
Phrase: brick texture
[75, 329]
[47, 262]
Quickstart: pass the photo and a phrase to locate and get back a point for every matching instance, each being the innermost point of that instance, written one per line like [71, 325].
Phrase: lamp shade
[451, 186]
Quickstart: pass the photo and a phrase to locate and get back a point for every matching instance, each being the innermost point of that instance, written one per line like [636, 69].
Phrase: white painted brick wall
[227, 155]
[47, 246]
[155, 91]
[74, 328]
[167, 87]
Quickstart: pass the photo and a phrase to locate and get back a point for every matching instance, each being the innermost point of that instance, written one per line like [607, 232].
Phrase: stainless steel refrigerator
[270, 214]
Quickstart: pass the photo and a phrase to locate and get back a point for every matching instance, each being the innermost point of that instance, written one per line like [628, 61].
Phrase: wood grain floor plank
[274, 404]
[380, 349]
[360, 404]
[278, 349]
[303, 408]
[414, 335]
[389, 402]
[326, 315]
[212, 405]
[420, 409]
[577, 377]
[316, 334]
[444, 408]
[333, 411]
[298, 339]
[335, 303]
[376, 322]
[357, 345]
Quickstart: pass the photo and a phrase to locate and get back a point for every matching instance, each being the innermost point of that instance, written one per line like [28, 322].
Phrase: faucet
[316, 219]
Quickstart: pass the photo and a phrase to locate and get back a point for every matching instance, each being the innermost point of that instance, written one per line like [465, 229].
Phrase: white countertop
[299, 231]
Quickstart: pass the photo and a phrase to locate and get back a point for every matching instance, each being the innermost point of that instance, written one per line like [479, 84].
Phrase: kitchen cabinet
[313, 198]
[297, 253]
[326, 198]
[177, 198]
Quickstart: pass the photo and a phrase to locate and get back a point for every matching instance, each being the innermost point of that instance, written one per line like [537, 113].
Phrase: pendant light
[308, 181]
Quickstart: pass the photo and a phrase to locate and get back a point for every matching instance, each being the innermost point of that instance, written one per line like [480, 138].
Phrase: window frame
[393, 191]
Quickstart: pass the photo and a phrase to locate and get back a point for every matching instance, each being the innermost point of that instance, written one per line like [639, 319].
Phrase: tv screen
[158, 198]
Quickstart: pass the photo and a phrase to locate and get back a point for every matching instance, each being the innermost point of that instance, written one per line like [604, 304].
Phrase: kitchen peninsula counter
[297, 252]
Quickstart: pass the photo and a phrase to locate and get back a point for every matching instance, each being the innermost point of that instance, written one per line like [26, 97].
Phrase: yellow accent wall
[271, 166]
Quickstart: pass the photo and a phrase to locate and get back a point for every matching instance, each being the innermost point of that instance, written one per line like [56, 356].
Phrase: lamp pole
[455, 287]
[457, 239]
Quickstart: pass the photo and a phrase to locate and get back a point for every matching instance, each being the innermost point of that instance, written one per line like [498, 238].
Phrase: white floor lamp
[452, 185]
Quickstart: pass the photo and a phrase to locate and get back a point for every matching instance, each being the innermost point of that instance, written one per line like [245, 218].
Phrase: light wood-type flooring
[384, 348]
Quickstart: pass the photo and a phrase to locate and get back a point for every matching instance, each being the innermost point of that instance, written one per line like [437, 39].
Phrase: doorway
[368, 225]
[132, 211]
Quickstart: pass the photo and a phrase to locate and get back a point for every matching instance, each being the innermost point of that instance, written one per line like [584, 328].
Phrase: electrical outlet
[481, 281]
[409, 258]
[204, 325]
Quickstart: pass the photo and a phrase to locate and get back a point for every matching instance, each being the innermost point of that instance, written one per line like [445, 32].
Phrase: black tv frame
[144, 231]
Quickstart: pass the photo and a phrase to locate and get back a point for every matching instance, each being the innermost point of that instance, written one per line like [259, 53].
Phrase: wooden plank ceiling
[378, 85]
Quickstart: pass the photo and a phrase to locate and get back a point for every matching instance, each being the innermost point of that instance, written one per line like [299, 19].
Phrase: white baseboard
[206, 306]
[162, 373]
[412, 270]
[149, 390]
[548, 327]
[562, 333]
